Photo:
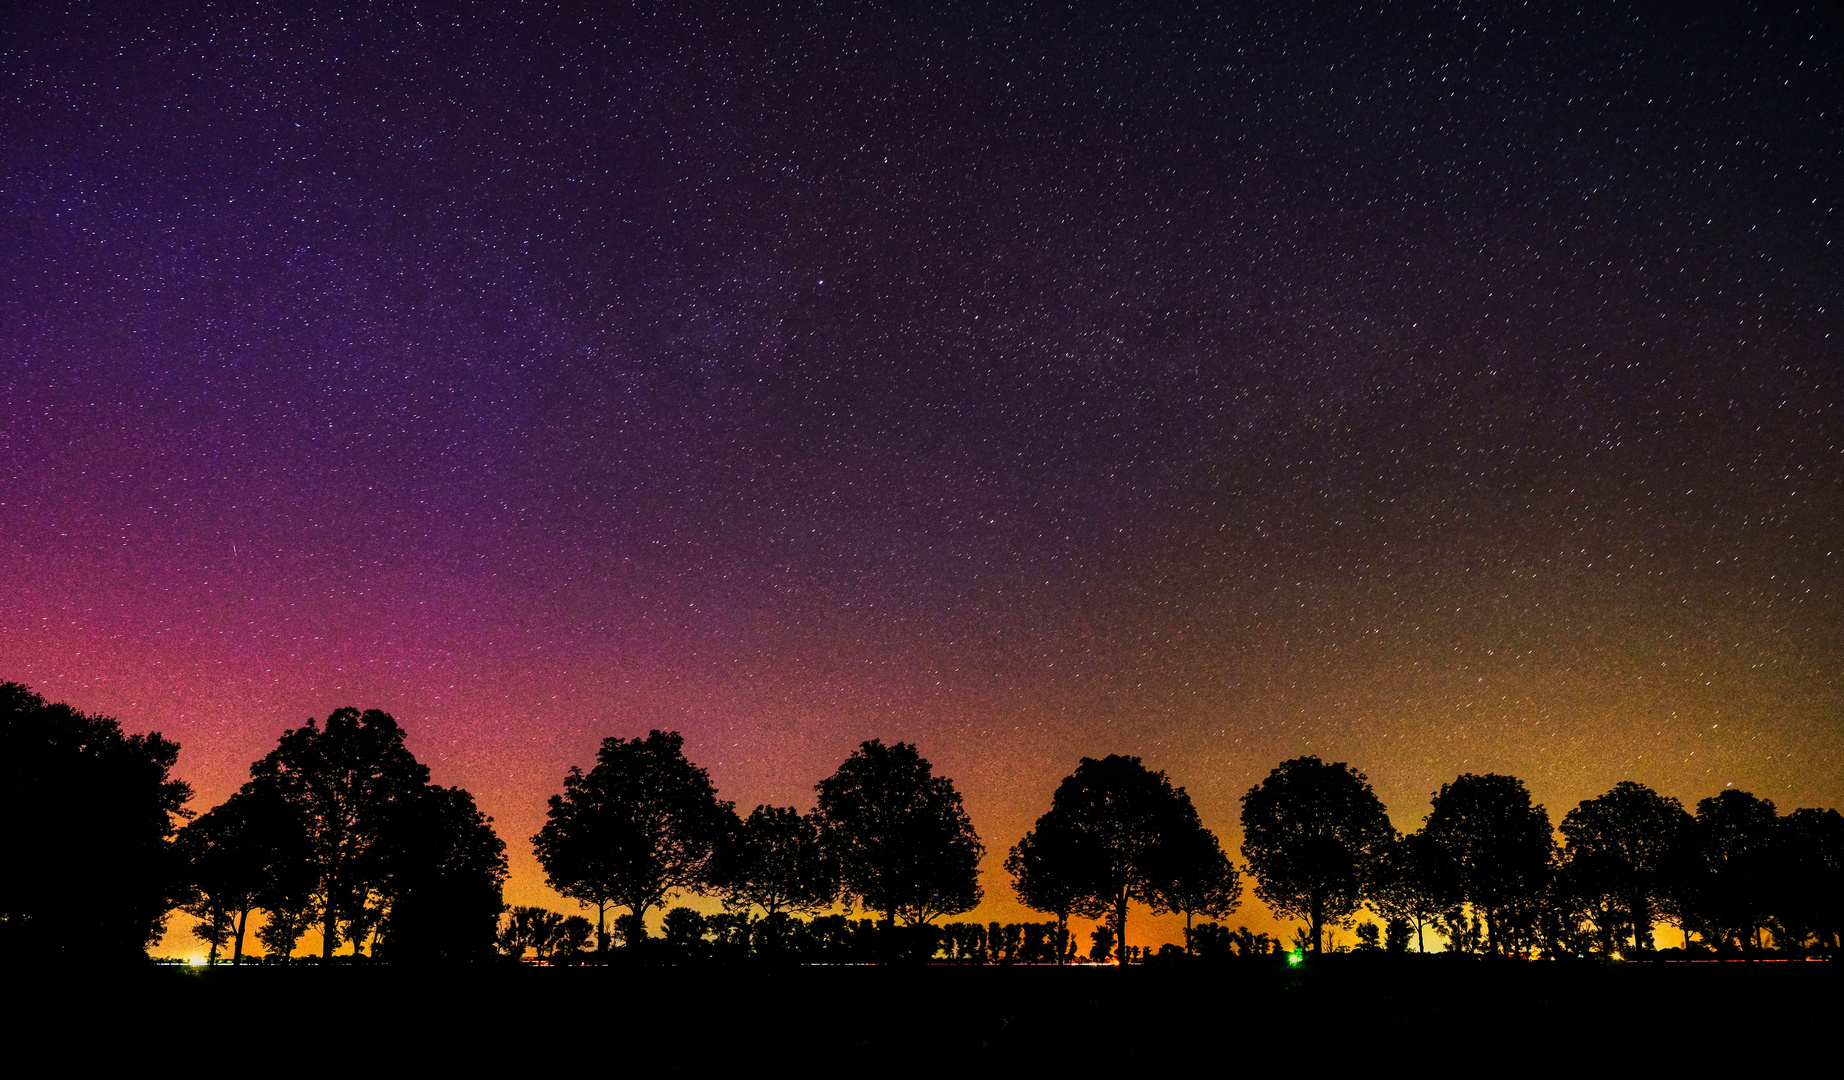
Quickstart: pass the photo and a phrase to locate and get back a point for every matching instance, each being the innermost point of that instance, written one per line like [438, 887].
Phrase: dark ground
[1435, 1015]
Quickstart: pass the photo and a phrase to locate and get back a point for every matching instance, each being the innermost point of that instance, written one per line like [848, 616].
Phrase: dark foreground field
[1436, 1014]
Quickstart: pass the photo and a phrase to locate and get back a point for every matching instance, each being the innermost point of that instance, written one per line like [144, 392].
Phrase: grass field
[1433, 1013]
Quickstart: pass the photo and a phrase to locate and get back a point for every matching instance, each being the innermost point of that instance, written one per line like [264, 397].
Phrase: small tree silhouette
[1194, 877]
[1047, 874]
[776, 860]
[249, 852]
[1101, 944]
[573, 936]
[1410, 884]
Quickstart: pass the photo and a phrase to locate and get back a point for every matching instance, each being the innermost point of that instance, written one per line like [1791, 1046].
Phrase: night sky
[1441, 392]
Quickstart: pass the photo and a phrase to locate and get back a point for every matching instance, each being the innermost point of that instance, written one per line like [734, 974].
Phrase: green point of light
[1295, 957]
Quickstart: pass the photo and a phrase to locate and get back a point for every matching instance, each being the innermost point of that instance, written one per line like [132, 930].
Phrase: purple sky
[1436, 392]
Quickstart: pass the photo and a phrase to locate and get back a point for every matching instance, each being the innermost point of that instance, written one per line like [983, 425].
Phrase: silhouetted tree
[573, 935]
[1118, 832]
[345, 781]
[89, 873]
[776, 861]
[284, 925]
[1498, 846]
[1192, 875]
[1632, 834]
[683, 930]
[1102, 944]
[1735, 834]
[541, 930]
[1411, 883]
[638, 827]
[1047, 873]
[1588, 911]
[964, 942]
[1807, 890]
[1311, 832]
[514, 934]
[441, 882]
[1041, 943]
[249, 852]
[1212, 941]
[547, 933]
[731, 935]
[898, 833]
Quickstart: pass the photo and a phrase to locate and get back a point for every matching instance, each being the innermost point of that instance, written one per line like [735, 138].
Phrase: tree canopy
[251, 851]
[1497, 844]
[1047, 873]
[639, 826]
[89, 873]
[1410, 884]
[1311, 833]
[443, 880]
[1735, 835]
[1808, 888]
[346, 780]
[1192, 875]
[1117, 832]
[1634, 837]
[904, 844]
[776, 860]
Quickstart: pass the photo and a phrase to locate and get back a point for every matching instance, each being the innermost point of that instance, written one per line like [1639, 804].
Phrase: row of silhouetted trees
[340, 830]
[1485, 871]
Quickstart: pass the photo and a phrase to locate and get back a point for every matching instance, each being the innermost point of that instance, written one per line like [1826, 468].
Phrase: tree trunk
[243, 921]
[1120, 930]
[601, 926]
[1318, 922]
[1642, 924]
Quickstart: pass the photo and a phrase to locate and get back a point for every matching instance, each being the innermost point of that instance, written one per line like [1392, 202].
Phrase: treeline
[339, 829]
[691, 936]
[1484, 869]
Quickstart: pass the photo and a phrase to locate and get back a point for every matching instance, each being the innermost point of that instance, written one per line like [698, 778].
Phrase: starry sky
[1441, 389]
